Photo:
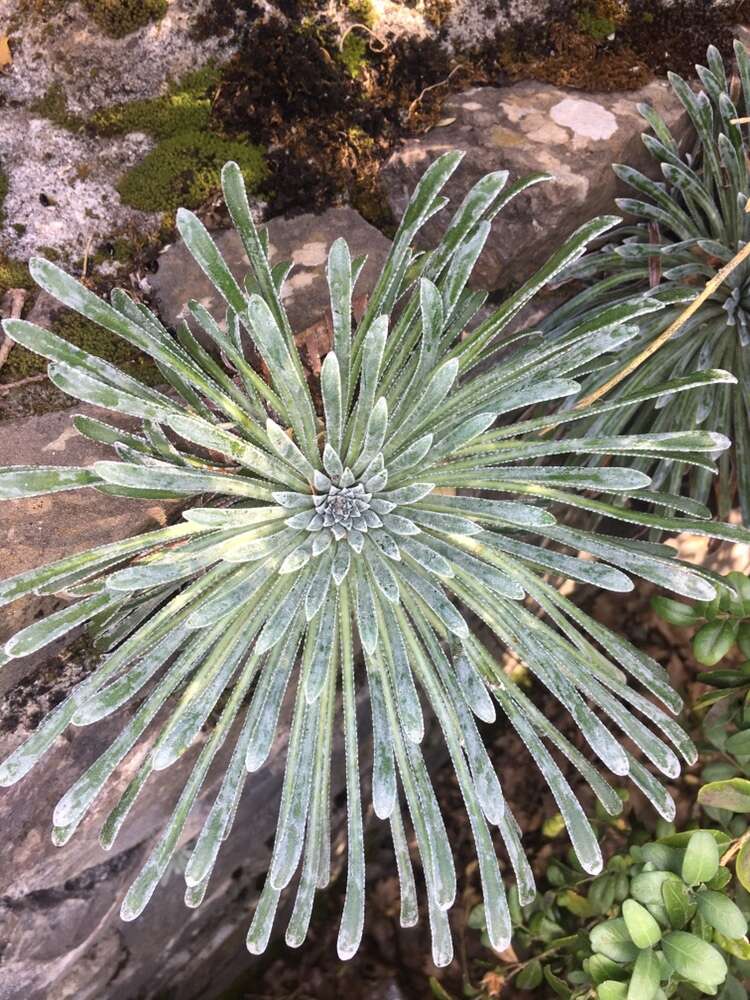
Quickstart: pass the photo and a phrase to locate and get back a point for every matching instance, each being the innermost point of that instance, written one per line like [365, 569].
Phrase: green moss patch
[121, 17]
[13, 274]
[186, 106]
[185, 166]
[354, 53]
[184, 171]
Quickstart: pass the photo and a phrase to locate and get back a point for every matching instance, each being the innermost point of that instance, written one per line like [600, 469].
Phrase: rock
[303, 239]
[42, 529]
[61, 187]
[65, 49]
[468, 24]
[525, 128]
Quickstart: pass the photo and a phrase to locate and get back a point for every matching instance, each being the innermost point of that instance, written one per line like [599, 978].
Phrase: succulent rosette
[366, 559]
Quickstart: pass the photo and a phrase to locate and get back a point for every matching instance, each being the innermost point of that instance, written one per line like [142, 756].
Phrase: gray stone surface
[525, 128]
[66, 49]
[302, 239]
[62, 186]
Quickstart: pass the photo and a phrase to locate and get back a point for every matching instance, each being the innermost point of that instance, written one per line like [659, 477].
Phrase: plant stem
[735, 848]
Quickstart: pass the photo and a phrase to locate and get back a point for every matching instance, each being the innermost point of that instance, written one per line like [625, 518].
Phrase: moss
[598, 28]
[184, 167]
[54, 107]
[362, 11]
[184, 171]
[89, 337]
[118, 18]
[353, 54]
[185, 107]
[13, 274]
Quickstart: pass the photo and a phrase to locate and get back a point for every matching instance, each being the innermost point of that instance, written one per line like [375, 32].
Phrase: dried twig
[383, 44]
[6, 387]
[86, 252]
[11, 307]
[440, 83]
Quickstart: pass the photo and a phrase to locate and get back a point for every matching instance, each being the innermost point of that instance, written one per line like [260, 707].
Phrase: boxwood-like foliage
[682, 231]
[351, 547]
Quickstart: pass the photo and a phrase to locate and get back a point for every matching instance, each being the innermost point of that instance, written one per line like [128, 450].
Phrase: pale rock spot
[311, 254]
[586, 118]
[61, 441]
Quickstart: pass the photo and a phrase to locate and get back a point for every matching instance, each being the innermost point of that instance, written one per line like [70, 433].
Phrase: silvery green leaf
[411, 456]
[59, 623]
[341, 563]
[339, 273]
[20, 481]
[333, 403]
[366, 614]
[332, 462]
[353, 913]
[321, 636]
[283, 445]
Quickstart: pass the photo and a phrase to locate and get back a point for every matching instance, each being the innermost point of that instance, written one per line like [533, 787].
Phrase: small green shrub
[722, 625]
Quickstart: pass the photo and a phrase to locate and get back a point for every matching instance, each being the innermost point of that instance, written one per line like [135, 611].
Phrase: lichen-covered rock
[302, 239]
[61, 187]
[66, 46]
[525, 128]
[468, 23]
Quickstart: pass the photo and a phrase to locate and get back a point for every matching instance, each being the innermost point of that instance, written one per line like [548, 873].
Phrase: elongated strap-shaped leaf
[295, 795]
[233, 186]
[582, 836]
[339, 274]
[321, 639]
[384, 789]
[397, 660]
[40, 634]
[409, 913]
[180, 481]
[498, 916]
[56, 349]
[208, 436]
[145, 883]
[20, 481]
[353, 914]
[332, 391]
[112, 696]
[264, 711]
[77, 801]
[204, 691]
